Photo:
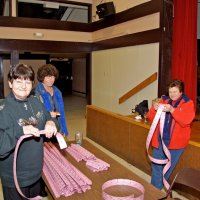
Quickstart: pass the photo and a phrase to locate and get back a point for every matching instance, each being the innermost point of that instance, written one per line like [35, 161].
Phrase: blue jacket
[58, 103]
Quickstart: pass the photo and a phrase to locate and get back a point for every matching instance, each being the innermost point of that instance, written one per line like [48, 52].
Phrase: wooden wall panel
[93, 125]
[44, 46]
[119, 134]
[138, 154]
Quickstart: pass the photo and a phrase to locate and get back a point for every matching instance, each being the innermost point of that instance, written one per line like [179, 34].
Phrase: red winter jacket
[181, 121]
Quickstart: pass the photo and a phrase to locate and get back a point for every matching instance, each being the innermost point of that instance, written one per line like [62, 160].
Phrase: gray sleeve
[9, 134]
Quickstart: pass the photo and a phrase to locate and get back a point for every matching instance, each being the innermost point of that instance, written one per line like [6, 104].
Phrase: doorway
[64, 82]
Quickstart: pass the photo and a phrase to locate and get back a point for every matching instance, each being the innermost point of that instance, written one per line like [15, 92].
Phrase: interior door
[64, 82]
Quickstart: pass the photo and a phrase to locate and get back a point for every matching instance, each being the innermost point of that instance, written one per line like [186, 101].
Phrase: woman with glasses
[22, 113]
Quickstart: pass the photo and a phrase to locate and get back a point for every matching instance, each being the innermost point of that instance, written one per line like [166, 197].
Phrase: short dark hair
[21, 71]
[47, 70]
[177, 83]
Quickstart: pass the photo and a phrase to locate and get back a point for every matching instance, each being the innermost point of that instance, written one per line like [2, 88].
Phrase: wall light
[39, 35]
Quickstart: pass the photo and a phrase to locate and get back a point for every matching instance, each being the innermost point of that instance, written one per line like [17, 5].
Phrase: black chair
[188, 177]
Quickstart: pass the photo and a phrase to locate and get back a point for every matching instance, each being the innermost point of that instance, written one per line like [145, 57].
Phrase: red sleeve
[184, 114]
[151, 114]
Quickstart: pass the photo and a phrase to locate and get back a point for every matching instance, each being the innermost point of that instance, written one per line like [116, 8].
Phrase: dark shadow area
[64, 83]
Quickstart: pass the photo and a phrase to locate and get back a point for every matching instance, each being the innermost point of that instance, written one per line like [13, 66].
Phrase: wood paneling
[113, 139]
[44, 46]
[121, 135]
[137, 144]
[23, 22]
[146, 37]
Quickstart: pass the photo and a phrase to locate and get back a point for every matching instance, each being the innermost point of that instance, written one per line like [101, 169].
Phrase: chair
[188, 177]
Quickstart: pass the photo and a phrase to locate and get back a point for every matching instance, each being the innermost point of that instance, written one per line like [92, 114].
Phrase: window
[47, 10]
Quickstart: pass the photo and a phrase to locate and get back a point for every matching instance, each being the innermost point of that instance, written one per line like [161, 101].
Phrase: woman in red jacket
[176, 132]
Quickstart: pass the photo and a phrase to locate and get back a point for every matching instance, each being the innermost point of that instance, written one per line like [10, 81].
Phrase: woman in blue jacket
[50, 95]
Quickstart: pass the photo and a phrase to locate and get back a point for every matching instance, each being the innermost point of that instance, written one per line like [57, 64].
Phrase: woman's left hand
[168, 108]
[50, 129]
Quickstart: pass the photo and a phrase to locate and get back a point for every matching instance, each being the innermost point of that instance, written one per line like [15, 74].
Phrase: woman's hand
[156, 105]
[54, 114]
[50, 129]
[168, 108]
[29, 129]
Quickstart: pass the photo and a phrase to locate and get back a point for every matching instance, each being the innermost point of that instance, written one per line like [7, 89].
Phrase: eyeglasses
[21, 82]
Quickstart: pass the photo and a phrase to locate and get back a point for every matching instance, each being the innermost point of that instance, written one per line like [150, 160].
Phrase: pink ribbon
[80, 153]
[125, 182]
[160, 115]
[63, 178]
[61, 144]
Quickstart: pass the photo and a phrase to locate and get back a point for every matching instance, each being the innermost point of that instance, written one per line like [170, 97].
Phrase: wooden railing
[139, 87]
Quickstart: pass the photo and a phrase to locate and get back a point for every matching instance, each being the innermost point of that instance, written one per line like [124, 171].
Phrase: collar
[18, 100]
[179, 99]
[184, 98]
